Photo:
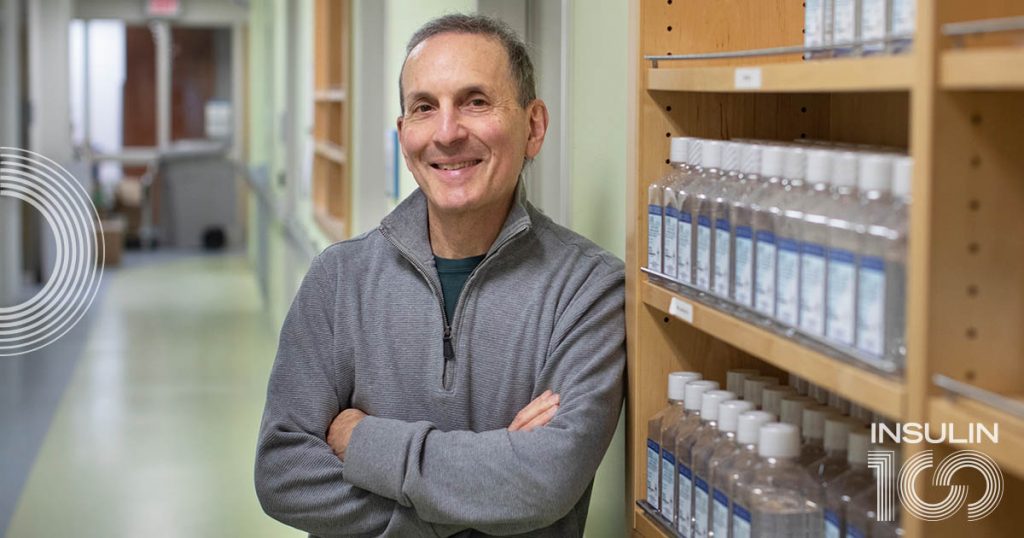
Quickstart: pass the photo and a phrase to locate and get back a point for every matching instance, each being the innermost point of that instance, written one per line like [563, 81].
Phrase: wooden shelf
[329, 96]
[998, 68]
[873, 74]
[330, 151]
[645, 527]
[863, 387]
[963, 411]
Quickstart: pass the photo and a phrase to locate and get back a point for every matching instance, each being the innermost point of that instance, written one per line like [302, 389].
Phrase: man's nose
[450, 129]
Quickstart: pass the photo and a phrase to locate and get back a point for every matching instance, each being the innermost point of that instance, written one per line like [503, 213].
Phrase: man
[459, 369]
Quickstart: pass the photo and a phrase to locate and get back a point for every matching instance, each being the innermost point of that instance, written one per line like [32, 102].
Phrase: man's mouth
[448, 167]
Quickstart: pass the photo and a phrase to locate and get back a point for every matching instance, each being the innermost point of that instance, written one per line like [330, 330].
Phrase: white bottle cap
[779, 440]
[677, 384]
[836, 430]
[710, 400]
[729, 414]
[678, 147]
[792, 409]
[875, 173]
[695, 151]
[749, 427]
[794, 165]
[799, 383]
[771, 161]
[754, 386]
[902, 176]
[771, 398]
[858, 442]
[818, 393]
[819, 166]
[711, 154]
[814, 421]
[734, 378]
[752, 155]
[694, 391]
[844, 169]
[732, 153]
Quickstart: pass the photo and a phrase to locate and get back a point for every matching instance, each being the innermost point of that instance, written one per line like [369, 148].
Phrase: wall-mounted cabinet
[332, 123]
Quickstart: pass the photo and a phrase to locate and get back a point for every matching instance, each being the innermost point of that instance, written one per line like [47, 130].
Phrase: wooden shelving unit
[331, 127]
[957, 111]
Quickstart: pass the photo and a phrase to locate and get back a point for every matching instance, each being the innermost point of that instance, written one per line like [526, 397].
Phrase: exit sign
[163, 8]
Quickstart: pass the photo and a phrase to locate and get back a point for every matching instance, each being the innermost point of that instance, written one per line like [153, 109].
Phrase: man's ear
[537, 116]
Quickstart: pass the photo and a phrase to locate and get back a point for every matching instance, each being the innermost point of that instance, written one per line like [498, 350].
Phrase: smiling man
[458, 370]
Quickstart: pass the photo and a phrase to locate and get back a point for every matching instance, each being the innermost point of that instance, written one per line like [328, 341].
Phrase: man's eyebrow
[467, 90]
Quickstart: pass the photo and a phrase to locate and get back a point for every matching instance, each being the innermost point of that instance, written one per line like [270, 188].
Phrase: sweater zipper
[447, 337]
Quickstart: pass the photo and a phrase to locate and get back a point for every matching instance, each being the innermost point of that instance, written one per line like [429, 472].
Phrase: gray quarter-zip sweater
[367, 329]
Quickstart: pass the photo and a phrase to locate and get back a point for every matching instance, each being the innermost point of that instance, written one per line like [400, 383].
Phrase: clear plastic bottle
[792, 409]
[819, 393]
[676, 393]
[862, 517]
[701, 444]
[784, 500]
[882, 274]
[845, 26]
[677, 206]
[874, 182]
[771, 398]
[696, 182]
[764, 205]
[902, 24]
[813, 237]
[671, 466]
[840, 490]
[655, 223]
[743, 206]
[844, 238]
[711, 160]
[753, 388]
[671, 181]
[735, 378]
[817, 27]
[728, 189]
[732, 468]
[728, 422]
[837, 429]
[799, 383]
[874, 25]
[813, 430]
[787, 218]
[840, 404]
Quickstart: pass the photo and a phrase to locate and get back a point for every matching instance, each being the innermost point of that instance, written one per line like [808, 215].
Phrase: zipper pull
[449, 357]
[449, 351]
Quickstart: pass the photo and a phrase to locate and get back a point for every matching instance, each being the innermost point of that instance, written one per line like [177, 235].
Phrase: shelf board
[645, 526]
[872, 74]
[330, 151]
[998, 68]
[329, 96]
[964, 411]
[863, 387]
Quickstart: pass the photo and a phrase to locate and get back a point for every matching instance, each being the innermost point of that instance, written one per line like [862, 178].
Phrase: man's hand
[536, 414]
[340, 432]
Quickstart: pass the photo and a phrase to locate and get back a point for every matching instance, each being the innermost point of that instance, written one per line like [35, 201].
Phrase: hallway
[156, 432]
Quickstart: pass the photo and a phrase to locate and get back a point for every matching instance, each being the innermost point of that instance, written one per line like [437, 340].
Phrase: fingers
[541, 419]
[534, 410]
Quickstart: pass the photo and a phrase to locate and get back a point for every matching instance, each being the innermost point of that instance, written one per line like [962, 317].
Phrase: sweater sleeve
[503, 482]
[299, 480]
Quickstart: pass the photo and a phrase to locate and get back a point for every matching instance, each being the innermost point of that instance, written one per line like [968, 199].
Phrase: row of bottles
[808, 239]
[761, 460]
[858, 27]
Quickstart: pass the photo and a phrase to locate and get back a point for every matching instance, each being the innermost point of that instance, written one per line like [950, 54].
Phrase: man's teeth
[456, 166]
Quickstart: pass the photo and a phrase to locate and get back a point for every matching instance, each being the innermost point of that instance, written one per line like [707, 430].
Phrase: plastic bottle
[728, 189]
[840, 404]
[792, 409]
[874, 25]
[731, 469]
[818, 393]
[845, 26]
[676, 393]
[743, 207]
[813, 430]
[784, 500]
[764, 205]
[753, 387]
[728, 422]
[837, 429]
[862, 518]
[771, 398]
[697, 182]
[817, 27]
[799, 383]
[677, 195]
[655, 224]
[813, 238]
[875, 203]
[840, 490]
[711, 159]
[844, 240]
[670, 464]
[701, 444]
[735, 378]
[787, 217]
[902, 23]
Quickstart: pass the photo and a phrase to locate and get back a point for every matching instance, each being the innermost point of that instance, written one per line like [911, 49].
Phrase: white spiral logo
[946, 508]
[78, 264]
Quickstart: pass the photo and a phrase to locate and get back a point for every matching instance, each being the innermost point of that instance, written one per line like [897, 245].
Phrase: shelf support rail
[971, 392]
[774, 51]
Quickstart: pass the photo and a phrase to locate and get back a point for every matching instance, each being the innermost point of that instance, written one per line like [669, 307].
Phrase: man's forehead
[451, 54]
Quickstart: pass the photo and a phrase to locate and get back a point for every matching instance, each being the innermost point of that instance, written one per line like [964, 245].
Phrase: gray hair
[518, 57]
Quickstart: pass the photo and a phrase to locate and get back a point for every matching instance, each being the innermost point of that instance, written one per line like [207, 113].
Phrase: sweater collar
[407, 225]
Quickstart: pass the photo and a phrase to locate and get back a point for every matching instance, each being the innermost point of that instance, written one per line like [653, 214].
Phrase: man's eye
[477, 102]
[422, 108]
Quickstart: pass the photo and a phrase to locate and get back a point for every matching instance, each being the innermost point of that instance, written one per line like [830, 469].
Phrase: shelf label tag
[681, 309]
[748, 78]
